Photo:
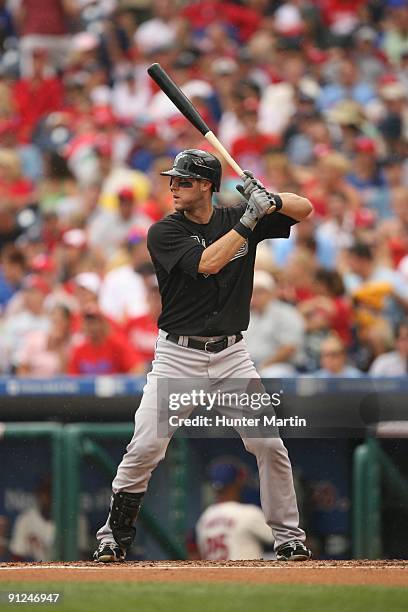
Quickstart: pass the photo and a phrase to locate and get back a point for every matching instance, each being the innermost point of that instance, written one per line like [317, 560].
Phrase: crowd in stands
[309, 96]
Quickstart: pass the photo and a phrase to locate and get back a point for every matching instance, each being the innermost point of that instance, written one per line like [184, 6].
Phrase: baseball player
[204, 261]
[229, 529]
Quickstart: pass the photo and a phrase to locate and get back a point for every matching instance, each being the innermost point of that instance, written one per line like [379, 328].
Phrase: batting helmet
[198, 164]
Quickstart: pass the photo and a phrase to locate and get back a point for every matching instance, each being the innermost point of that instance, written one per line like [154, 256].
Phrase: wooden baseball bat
[185, 106]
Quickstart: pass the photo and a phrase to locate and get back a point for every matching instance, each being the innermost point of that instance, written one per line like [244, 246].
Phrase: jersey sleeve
[172, 246]
[276, 225]
[257, 525]
[18, 537]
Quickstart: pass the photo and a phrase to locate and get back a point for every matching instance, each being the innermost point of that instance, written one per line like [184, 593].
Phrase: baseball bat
[187, 108]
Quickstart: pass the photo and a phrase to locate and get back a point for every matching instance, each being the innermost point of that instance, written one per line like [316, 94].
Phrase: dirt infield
[387, 573]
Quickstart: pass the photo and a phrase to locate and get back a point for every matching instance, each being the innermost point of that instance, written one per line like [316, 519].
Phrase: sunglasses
[183, 183]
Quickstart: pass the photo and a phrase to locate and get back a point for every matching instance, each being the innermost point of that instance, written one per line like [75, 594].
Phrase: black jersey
[196, 304]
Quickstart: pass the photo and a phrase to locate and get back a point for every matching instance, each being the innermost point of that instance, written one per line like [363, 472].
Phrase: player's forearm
[218, 254]
[295, 206]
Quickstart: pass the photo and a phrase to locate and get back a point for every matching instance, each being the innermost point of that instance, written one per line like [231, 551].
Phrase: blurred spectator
[72, 253]
[312, 97]
[330, 303]
[370, 61]
[239, 22]
[279, 173]
[229, 529]
[333, 360]
[142, 331]
[15, 189]
[32, 317]
[37, 95]
[394, 42]
[44, 353]
[392, 181]
[394, 363]
[395, 230]
[123, 293]
[7, 30]
[347, 121]
[304, 237]
[130, 94]
[340, 18]
[393, 120]
[33, 533]
[59, 191]
[86, 288]
[149, 147]
[306, 133]
[365, 175]
[116, 175]
[349, 84]
[108, 229]
[300, 272]
[12, 271]
[339, 224]
[275, 331]
[277, 105]
[377, 289]
[161, 29]
[102, 351]
[249, 149]
[160, 203]
[329, 178]
[370, 342]
[43, 24]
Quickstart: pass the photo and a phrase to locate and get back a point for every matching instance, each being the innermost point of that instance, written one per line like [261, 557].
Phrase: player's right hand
[260, 203]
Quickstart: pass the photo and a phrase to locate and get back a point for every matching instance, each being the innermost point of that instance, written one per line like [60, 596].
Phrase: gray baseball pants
[146, 449]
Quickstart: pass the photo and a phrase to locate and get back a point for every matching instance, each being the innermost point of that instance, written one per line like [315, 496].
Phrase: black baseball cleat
[109, 553]
[294, 550]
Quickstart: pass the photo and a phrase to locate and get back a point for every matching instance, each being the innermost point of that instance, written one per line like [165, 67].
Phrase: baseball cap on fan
[36, 282]
[89, 281]
[263, 280]
[75, 238]
[136, 235]
[126, 194]
[42, 263]
[222, 475]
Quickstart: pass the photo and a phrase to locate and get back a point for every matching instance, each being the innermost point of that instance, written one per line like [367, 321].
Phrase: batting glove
[259, 204]
[250, 184]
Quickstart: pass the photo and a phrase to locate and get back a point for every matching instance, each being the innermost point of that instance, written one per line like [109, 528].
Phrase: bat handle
[213, 140]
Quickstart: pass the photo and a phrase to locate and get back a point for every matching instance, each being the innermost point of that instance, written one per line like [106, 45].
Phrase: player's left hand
[250, 184]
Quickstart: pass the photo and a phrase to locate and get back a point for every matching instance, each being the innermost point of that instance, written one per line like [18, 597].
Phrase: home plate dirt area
[387, 573]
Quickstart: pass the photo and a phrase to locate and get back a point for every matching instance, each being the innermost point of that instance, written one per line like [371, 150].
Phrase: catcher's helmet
[194, 163]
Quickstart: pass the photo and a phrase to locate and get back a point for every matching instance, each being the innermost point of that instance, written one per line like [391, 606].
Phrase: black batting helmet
[195, 163]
